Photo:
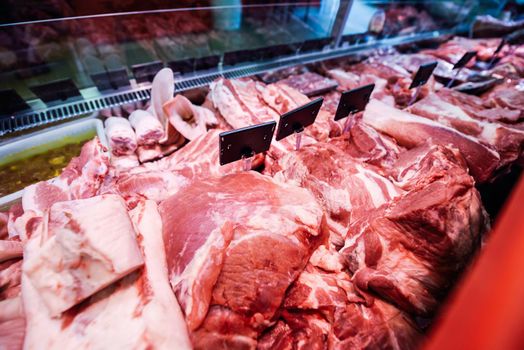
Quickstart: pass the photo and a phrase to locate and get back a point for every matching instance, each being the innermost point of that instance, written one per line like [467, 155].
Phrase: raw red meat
[410, 131]
[310, 83]
[508, 96]
[508, 142]
[480, 108]
[347, 189]
[409, 250]
[259, 235]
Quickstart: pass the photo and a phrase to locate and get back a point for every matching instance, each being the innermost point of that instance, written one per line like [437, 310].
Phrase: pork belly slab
[138, 311]
[234, 251]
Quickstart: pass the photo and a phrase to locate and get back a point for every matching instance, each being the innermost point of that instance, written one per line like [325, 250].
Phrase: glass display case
[62, 59]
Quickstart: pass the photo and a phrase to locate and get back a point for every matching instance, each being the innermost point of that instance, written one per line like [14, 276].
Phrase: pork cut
[121, 136]
[322, 310]
[235, 250]
[410, 130]
[76, 261]
[138, 311]
[346, 188]
[508, 142]
[310, 83]
[407, 251]
[147, 127]
[480, 108]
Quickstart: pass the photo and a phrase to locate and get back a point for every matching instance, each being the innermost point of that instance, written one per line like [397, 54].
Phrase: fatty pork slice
[147, 127]
[409, 250]
[137, 312]
[122, 138]
[410, 130]
[234, 244]
[508, 142]
[189, 120]
[76, 260]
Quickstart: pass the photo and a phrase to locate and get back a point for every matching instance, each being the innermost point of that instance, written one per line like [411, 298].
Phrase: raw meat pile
[351, 242]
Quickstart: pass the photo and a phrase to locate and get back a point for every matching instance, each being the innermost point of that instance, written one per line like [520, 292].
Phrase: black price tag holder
[244, 143]
[421, 77]
[10, 103]
[353, 101]
[497, 50]
[461, 64]
[145, 72]
[295, 121]
[58, 90]
[111, 80]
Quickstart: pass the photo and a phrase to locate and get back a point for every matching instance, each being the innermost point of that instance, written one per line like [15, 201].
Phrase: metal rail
[73, 109]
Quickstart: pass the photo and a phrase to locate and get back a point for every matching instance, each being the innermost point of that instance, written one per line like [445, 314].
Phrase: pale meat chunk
[121, 136]
[147, 127]
[90, 244]
[137, 312]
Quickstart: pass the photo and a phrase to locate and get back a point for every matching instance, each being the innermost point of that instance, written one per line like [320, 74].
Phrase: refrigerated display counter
[246, 174]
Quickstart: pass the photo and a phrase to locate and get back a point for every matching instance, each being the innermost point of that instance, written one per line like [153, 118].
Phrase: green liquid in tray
[21, 173]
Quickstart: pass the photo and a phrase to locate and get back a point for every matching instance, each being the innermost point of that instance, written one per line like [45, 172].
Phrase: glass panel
[53, 42]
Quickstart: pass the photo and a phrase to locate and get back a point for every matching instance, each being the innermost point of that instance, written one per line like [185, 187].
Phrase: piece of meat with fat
[240, 103]
[510, 96]
[189, 120]
[76, 260]
[350, 80]
[323, 311]
[121, 136]
[147, 127]
[283, 98]
[310, 83]
[10, 249]
[508, 142]
[12, 323]
[10, 275]
[409, 250]
[259, 235]
[161, 179]
[346, 188]
[410, 130]
[480, 108]
[138, 311]
[81, 178]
